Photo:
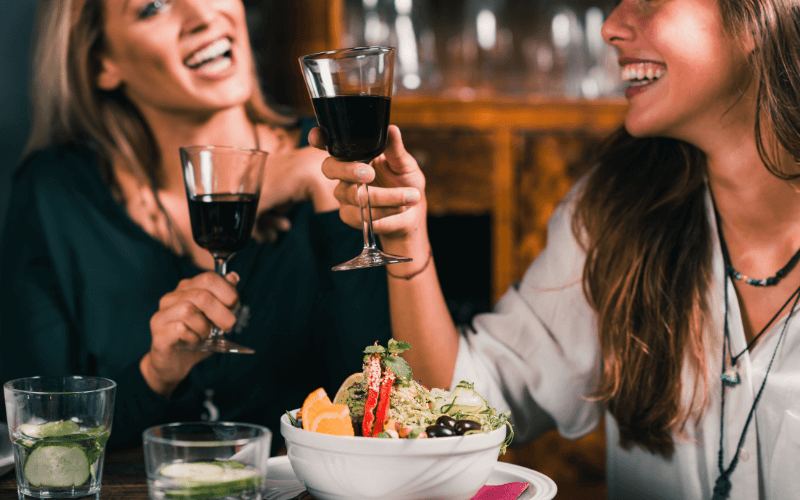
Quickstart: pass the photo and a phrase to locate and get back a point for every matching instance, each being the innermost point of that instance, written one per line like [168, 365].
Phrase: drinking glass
[59, 427]
[207, 460]
[351, 90]
[222, 186]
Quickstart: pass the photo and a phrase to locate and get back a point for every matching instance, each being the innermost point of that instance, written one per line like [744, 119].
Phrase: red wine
[356, 125]
[222, 223]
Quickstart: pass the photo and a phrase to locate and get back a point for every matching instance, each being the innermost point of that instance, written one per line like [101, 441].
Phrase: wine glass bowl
[223, 185]
[351, 91]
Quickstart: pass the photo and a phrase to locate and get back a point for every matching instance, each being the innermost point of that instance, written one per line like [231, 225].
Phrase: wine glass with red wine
[222, 186]
[351, 90]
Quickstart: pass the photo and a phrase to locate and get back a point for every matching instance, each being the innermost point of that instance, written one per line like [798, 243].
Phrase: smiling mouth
[218, 53]
[642, 73]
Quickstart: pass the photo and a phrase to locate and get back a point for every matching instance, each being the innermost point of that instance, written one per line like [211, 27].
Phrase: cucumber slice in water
[207, 480]
[195, 471]
[57, 466]
[50, 429]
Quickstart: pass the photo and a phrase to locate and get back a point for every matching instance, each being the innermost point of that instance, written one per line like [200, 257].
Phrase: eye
[152, 8]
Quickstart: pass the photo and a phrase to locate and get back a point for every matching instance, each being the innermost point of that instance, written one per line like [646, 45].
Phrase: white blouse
[537, 354]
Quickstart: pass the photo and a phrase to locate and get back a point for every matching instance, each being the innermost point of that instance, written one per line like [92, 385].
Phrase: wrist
[153, 379]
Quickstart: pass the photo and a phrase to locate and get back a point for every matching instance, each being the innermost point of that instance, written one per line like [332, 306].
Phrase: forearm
[419, 314]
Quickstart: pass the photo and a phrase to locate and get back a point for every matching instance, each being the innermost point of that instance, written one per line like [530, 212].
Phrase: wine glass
[222, 186]
[351, 90]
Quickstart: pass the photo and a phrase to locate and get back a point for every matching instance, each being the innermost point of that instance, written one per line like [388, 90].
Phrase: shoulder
[58, 179]
[57, 166]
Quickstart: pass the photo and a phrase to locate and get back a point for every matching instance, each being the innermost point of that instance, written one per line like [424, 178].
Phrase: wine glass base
[370, 257]
[219, 344]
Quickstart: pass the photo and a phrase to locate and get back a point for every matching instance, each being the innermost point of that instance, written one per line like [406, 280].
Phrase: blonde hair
[68, 106]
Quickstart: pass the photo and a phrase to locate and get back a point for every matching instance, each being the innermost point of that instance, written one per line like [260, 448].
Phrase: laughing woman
[100, 271]
[667, 296]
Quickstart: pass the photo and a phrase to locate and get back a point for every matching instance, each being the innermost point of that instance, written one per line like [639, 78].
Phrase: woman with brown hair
[644, 306]
[101, 273]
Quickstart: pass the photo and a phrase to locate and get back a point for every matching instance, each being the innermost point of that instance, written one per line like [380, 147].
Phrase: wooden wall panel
[550, 163]
[458, 168]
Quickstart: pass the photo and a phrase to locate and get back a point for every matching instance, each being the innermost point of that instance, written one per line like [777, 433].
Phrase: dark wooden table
[123, 478]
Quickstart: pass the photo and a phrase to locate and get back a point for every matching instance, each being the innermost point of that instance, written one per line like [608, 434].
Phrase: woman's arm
[418, 310]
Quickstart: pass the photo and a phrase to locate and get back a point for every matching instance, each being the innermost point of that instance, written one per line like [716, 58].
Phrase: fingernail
[411, 196]
[362, 172]
[233, 277]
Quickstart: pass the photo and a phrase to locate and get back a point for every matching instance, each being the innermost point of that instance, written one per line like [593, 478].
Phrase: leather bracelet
[409, 276]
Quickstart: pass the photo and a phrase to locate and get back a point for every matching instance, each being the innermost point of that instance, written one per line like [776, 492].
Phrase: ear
[108, 78]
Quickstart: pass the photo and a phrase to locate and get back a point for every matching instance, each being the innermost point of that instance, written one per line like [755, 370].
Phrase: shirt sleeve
[536, 353]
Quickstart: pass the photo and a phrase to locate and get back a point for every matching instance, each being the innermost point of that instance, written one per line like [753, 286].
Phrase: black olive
[299, 423]
[462, 426]
[446, 421]
[436, 431]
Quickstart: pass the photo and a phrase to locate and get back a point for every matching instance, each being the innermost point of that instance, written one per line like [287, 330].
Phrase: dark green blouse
[80, 281]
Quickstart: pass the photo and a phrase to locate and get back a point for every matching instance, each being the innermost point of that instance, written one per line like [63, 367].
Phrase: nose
[617, 27]
[198, 14]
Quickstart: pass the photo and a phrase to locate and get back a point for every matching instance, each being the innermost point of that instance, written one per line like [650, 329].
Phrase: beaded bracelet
[409, 276]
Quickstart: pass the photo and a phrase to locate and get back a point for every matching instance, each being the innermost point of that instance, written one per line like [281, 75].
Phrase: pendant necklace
[731, 377]
[722, 486]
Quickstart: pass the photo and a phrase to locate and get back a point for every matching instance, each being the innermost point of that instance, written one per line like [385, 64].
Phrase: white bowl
[359, 468]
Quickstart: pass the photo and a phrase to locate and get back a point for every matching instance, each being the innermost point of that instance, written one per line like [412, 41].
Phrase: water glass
[208, 460]
[59, 427]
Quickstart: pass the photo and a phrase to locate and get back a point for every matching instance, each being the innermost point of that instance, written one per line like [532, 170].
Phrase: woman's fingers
[347, 171]
[398, 159]
[316, 137]
[269, 225]
[379, 197]
[181, 321]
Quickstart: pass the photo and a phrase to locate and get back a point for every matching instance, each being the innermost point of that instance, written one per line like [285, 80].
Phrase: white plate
[6, 453]
[282, 484]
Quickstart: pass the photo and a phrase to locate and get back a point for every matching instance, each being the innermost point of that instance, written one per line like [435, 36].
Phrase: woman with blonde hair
[666, 299]
[97, 255]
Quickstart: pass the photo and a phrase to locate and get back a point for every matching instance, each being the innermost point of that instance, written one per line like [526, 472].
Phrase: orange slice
[330, 419]
[317, 395]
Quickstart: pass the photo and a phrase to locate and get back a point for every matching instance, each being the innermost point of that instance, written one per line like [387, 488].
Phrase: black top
[80, 281]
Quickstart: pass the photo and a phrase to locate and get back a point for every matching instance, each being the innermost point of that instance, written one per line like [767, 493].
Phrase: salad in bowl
[386, 436]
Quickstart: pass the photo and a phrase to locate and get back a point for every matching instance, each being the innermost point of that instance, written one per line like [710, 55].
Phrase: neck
[759, 213]
[230, 127]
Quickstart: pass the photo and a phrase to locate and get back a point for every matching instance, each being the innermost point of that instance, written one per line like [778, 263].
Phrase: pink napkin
[509, 491]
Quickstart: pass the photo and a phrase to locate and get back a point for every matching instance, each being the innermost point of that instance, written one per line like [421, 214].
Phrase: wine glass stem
[221, 268]
[366, 215]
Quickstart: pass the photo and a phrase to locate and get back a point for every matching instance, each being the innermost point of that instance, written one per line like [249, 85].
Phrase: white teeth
[643, 71]
[215, 67]
[208, 53]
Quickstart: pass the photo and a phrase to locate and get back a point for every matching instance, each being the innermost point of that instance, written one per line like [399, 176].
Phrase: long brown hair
[68, 106]
[642, 218]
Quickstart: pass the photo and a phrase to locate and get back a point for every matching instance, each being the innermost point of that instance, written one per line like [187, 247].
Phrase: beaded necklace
[722, 486]
[733, 273]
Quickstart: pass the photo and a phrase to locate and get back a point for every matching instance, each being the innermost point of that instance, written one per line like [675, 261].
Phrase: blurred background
[502, 102]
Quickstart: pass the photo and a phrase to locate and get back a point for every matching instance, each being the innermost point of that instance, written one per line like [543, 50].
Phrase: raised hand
[184, 318]
[397, 188]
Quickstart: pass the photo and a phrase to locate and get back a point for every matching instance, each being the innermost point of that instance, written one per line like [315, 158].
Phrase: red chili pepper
[383, 401]
[373, 385]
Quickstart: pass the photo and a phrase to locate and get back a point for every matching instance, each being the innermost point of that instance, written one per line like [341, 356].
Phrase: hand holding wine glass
[223, 185]
[397, 189]
[351, 91]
